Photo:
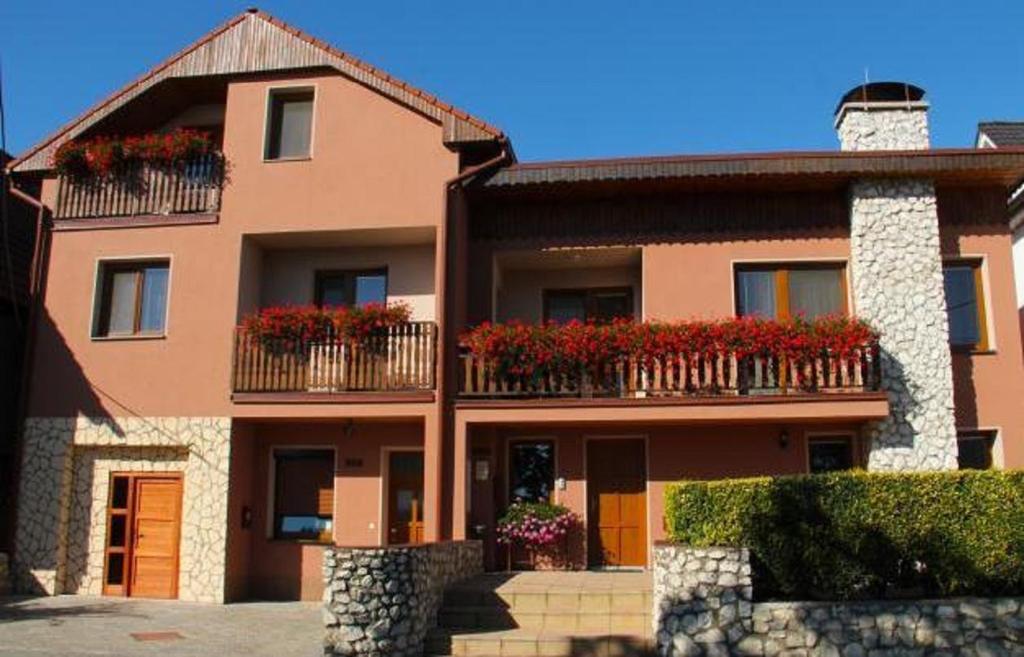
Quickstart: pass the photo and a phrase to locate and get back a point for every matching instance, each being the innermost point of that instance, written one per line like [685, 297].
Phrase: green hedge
[857, 535]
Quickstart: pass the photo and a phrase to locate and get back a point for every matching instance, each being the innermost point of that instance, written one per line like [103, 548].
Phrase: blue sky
[568, 78]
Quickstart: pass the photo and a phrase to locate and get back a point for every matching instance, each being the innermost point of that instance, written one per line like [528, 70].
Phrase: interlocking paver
[84, 626]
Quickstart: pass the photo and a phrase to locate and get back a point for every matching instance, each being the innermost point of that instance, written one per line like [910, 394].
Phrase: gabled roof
[1003, 167]
[1002, 133]
[254, 42]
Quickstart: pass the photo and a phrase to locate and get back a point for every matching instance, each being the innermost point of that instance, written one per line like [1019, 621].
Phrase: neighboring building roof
[255, 42]
[1003, 167]
[1000, 134]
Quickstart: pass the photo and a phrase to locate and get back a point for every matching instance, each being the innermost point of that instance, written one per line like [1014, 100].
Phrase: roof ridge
[754, 155]
[220, 29]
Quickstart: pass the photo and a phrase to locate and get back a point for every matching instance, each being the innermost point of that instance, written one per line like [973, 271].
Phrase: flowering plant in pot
[286, 326]
[533, 352]
[539, 527]
[98, 157]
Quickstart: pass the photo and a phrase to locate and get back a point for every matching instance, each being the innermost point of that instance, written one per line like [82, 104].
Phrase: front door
[405, 497]
[143, 534]
[616, 502]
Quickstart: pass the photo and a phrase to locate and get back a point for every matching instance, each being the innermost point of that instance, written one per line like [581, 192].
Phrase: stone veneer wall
[66, 466]
[883, 127]
[702, 607]
[896, 272]
[383, 601]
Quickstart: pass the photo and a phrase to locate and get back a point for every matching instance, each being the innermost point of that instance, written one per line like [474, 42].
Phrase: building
[168, 453]
[1010, 134]
[17, 248]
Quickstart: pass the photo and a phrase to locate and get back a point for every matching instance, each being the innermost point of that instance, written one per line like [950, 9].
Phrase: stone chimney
[896, 276]
[883, 116]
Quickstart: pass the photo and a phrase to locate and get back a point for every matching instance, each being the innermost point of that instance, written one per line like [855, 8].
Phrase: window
[783, 291]
[965, 302]
[974, 449]
[289, 124]
[594, 304]
[829, 454]
[531, 470]
[132, 299]
[303, 494]
[351, 288]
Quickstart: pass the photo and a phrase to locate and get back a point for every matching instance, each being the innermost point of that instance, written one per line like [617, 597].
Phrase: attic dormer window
[289, 124]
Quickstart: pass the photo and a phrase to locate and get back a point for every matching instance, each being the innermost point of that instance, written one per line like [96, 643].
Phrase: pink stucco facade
[379, 191]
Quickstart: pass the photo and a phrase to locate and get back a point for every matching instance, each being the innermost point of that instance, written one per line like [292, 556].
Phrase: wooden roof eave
[255, 42]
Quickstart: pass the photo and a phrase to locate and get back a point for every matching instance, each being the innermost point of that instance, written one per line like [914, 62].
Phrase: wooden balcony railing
[145, 189]
[720, 374]
[398, 358]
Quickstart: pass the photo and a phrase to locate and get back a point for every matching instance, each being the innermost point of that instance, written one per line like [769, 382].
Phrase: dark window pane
[531, 471]
[564, 307]
[119, 498]
[755, 293]
[333, 291]
[154, 300]
[371, 288]
[830, 455]
[974, 451]
[607, 306]
[117, 531]
[115, 569]
[962, 302]
[815, 292]
[291, 118]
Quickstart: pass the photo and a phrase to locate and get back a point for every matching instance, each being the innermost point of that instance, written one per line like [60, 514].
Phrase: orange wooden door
[155, 537]
[405, 497]
[617, 502]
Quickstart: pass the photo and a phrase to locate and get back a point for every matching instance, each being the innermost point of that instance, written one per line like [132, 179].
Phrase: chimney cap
[881, 92]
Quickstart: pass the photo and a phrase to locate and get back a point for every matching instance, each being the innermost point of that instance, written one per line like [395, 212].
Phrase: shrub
[857, 535]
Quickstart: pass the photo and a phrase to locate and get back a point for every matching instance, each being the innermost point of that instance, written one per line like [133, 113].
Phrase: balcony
[144, 188]
[681, 375]
[399, 358]
[696, 360]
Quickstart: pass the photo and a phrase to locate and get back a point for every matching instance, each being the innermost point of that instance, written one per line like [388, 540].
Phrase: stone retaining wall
[383, 601]
[703, 606]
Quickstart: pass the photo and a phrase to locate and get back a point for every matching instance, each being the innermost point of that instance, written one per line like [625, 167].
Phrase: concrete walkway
[80, 626]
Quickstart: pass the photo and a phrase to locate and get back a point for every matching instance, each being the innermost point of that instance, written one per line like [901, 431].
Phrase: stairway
[550, 614]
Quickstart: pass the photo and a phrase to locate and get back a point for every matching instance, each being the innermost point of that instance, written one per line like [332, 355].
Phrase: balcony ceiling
[570, 258]
[404, 236]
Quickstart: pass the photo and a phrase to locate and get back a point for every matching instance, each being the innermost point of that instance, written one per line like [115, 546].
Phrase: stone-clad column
[896, 271]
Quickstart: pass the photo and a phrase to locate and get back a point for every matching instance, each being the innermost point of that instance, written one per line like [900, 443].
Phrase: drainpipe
[441, 367]
[28, 358]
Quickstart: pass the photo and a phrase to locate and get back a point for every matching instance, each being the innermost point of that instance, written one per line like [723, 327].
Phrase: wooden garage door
[143, 562]
[617, 502]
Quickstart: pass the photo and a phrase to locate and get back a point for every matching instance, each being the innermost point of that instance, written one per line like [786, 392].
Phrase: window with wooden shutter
[303, 494]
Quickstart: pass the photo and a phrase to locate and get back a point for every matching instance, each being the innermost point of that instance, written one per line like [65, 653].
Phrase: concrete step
[531, 643]
[631, 621]
[561, 600]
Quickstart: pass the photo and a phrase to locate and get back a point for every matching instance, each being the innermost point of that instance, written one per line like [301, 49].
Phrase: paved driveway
[78, 626]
